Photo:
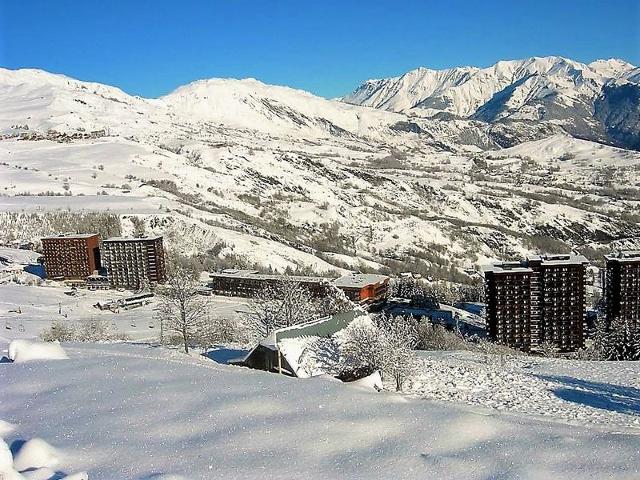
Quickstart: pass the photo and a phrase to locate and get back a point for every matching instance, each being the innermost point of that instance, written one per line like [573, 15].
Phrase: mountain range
[598, 101]
[438, 172]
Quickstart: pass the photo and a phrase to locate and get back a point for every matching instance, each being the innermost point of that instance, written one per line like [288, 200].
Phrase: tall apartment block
[71, 256]
[540, 299]
[622, 287]
[134, 262]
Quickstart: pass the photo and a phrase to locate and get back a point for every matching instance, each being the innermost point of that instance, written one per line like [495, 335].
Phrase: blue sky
[328, 47]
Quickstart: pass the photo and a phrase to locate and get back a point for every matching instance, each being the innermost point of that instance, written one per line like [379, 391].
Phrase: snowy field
[132, 411]
[572, 391]
[39, 306]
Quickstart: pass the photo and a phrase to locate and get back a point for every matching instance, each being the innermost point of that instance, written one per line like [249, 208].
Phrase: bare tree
[386, 345]
[400, 338]
[548, 349]
[363, 347]
[181, 308]
[333, 301]
[283, 304]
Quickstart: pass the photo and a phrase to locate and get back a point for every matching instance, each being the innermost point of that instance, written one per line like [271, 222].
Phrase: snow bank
[252, 424]
[26, 350]
[6, 428]
[6, 460]
[373, 381]
[36, 453]
[11, 474]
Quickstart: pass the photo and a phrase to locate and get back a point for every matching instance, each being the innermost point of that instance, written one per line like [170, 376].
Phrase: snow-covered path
[129, 411]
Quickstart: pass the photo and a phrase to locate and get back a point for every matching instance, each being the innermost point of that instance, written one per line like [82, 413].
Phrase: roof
[559, 259]
[71, 236]
[508, 267]
[254, 275]
[624, 256]
[323, 327]
[359, 280]
[548, 259]
[132, 239]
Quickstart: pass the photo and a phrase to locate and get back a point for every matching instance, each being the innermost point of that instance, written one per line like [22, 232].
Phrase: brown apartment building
[134, 263]
[622, 287]
[71, 256]
[540, 299]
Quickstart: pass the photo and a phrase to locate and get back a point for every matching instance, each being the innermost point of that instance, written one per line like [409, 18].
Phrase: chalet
[364, 287]
[283, 350]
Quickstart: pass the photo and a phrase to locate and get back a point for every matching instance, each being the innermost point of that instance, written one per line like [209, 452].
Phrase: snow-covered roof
[254, 275]
[359, 280]
[131, 239]
[624, 256]
[508, 267]
[546, 259]
[71, 235]
[293, 341]
[559, 259]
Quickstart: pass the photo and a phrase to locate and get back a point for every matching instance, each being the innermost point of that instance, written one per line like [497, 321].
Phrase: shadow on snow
[223, 355]
[605, 396]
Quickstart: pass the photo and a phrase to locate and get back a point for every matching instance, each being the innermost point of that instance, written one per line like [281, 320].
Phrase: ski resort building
[246, 283]
[538, 300]
[71, 256]
[134, 263]
[622, 287]
[363, 287]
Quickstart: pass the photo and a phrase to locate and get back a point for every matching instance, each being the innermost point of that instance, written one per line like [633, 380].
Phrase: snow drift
[27, 350]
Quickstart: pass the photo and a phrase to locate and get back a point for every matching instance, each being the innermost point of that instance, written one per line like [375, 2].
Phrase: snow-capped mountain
[553, 89]
[269, 175]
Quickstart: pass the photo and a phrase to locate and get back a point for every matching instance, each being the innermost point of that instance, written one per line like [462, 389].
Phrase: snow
[25, 311]
[373, 381]
[462, 91]
[218, 421]
[603, 393]
[25, 351]
[36, 453]
[257, 156]
[22, 257]
[6, 459]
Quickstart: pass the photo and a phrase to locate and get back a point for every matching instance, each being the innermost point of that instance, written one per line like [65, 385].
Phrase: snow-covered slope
[536, 89]
[278, 177]
[121, 411]
[252, 104]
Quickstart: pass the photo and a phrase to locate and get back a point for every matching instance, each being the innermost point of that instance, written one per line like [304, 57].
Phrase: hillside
[278, 177]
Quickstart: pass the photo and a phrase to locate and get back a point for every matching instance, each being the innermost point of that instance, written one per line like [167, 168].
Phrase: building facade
[71, 256]
[538, 300]
[246, 283]
[134, 263]
[622, 287]
[363, 287]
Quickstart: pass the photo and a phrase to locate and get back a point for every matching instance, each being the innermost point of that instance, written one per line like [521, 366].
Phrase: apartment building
[71, 256]
[622, 287]
[538, 300]
[134, 263]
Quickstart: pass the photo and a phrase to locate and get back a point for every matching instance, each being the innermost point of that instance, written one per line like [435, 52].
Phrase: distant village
[530, 305]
